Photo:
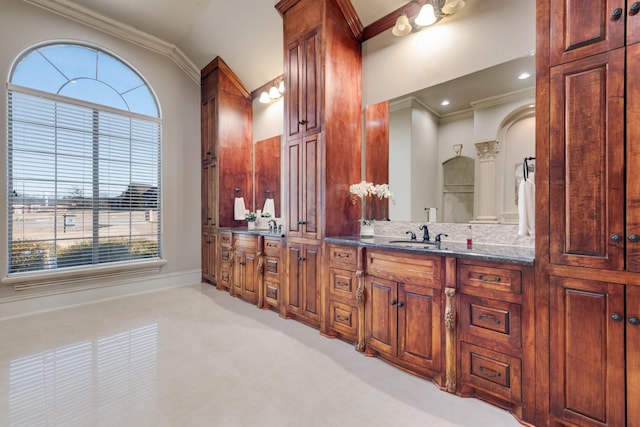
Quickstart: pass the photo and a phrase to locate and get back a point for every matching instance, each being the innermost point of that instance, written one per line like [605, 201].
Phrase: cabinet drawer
[245, 242]
[272, 268]
[342, 318]
[494, 373]
[342, 283]
[490, 278]
[225, 277]
[272, 247]
[271, 293]
[225, 239]
[406, 268]
[343, 255]
[493, 320]
[225, 254]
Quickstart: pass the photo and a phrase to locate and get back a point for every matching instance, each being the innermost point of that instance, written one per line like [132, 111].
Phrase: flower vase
[251, 225]
[366, 230]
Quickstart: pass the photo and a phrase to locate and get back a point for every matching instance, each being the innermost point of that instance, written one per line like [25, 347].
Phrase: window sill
[87, 275]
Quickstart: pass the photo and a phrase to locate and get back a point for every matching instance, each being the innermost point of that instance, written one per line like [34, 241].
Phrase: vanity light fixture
[431, 11]
[275, 91]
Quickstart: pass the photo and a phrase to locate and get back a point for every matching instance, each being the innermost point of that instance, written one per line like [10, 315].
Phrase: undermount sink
[415, 243]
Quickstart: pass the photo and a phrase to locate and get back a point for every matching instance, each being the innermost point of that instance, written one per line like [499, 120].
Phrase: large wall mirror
[454, 152]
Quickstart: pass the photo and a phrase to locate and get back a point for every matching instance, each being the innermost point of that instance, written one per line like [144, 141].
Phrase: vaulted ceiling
[247, 34]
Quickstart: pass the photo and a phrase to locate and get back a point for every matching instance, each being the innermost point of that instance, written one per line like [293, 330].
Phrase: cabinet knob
[301, 258]
[635, 8]
[617, 13]
[634, 238]
[634, 321]
[616, 238]
[616, 317]
[400, 304]
[302, 222]
[394, 302]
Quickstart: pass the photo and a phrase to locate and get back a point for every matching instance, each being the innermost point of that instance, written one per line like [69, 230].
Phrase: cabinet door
[311, 170]
[310, 285]
[208, 130]
[633, 356]
[207, 265]
[587, 162]
[295, 277]
[581, 28]
[381, 325]
[294, 196]
[302, 68]
[633, 159]
[209, 195]
[587, 359]
[419, 330]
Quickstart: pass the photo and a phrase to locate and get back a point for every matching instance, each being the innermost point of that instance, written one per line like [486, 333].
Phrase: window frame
[80, 272]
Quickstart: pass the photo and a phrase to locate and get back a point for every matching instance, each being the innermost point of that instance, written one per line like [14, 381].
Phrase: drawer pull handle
[341, 284]
[488, 373]
[490, 317]
[343, 319]
[340, 255]
[484, 279]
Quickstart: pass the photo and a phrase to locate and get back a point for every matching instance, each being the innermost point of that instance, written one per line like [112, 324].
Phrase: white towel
[527, 208]
[238, 209]
[269, 208]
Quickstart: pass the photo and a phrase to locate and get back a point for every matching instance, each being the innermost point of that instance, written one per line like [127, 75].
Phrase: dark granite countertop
[483, 252]
[254, 232]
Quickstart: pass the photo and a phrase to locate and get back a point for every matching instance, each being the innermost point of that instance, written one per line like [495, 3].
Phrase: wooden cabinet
[246, 267]
[302, 297]
[209, 256]
[345, 272]
[495, 322]
[304, 157]
[403, 310]
[272, 253]
[225, 147]
[593, 154]
[224, 264]
[322, 149]
[595, 344]
[588, 247]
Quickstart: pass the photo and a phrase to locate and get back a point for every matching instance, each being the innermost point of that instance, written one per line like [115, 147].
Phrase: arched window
[84, 161]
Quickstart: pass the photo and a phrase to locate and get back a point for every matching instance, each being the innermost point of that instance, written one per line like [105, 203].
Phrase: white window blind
[84, 183]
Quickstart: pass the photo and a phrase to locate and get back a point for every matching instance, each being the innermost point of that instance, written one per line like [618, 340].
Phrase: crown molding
[492, 101]
[125, 32]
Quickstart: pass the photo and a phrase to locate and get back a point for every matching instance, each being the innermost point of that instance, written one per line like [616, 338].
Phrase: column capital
[487, 150]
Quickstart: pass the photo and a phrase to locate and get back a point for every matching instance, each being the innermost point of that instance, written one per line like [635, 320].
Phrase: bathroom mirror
[438, 154]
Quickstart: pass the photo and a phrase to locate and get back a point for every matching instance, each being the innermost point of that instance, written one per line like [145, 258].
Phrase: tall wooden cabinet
[226, 144]
[589, 245]
[322, 148]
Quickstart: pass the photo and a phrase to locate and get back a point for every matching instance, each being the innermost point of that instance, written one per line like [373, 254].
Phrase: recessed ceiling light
[524, 76]
[445, 103]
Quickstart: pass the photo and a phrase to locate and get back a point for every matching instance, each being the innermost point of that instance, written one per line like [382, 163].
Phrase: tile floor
[194, 356]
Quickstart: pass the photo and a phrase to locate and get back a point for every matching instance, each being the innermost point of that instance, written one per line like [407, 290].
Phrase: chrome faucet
[425, 236]
[273, 225]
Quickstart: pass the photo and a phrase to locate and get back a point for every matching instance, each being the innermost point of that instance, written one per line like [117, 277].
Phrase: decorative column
[485, 183]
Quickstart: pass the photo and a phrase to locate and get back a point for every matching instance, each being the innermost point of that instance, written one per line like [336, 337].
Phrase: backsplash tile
[497, 234]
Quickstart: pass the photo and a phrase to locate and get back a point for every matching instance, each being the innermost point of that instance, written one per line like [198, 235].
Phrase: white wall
[424, 157]
[498, 31]
[23, 26]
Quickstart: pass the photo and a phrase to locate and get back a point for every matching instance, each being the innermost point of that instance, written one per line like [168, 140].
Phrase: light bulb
[281, 87]
[402, 27]
[264, 98]
[427, 16]
[273, 93]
